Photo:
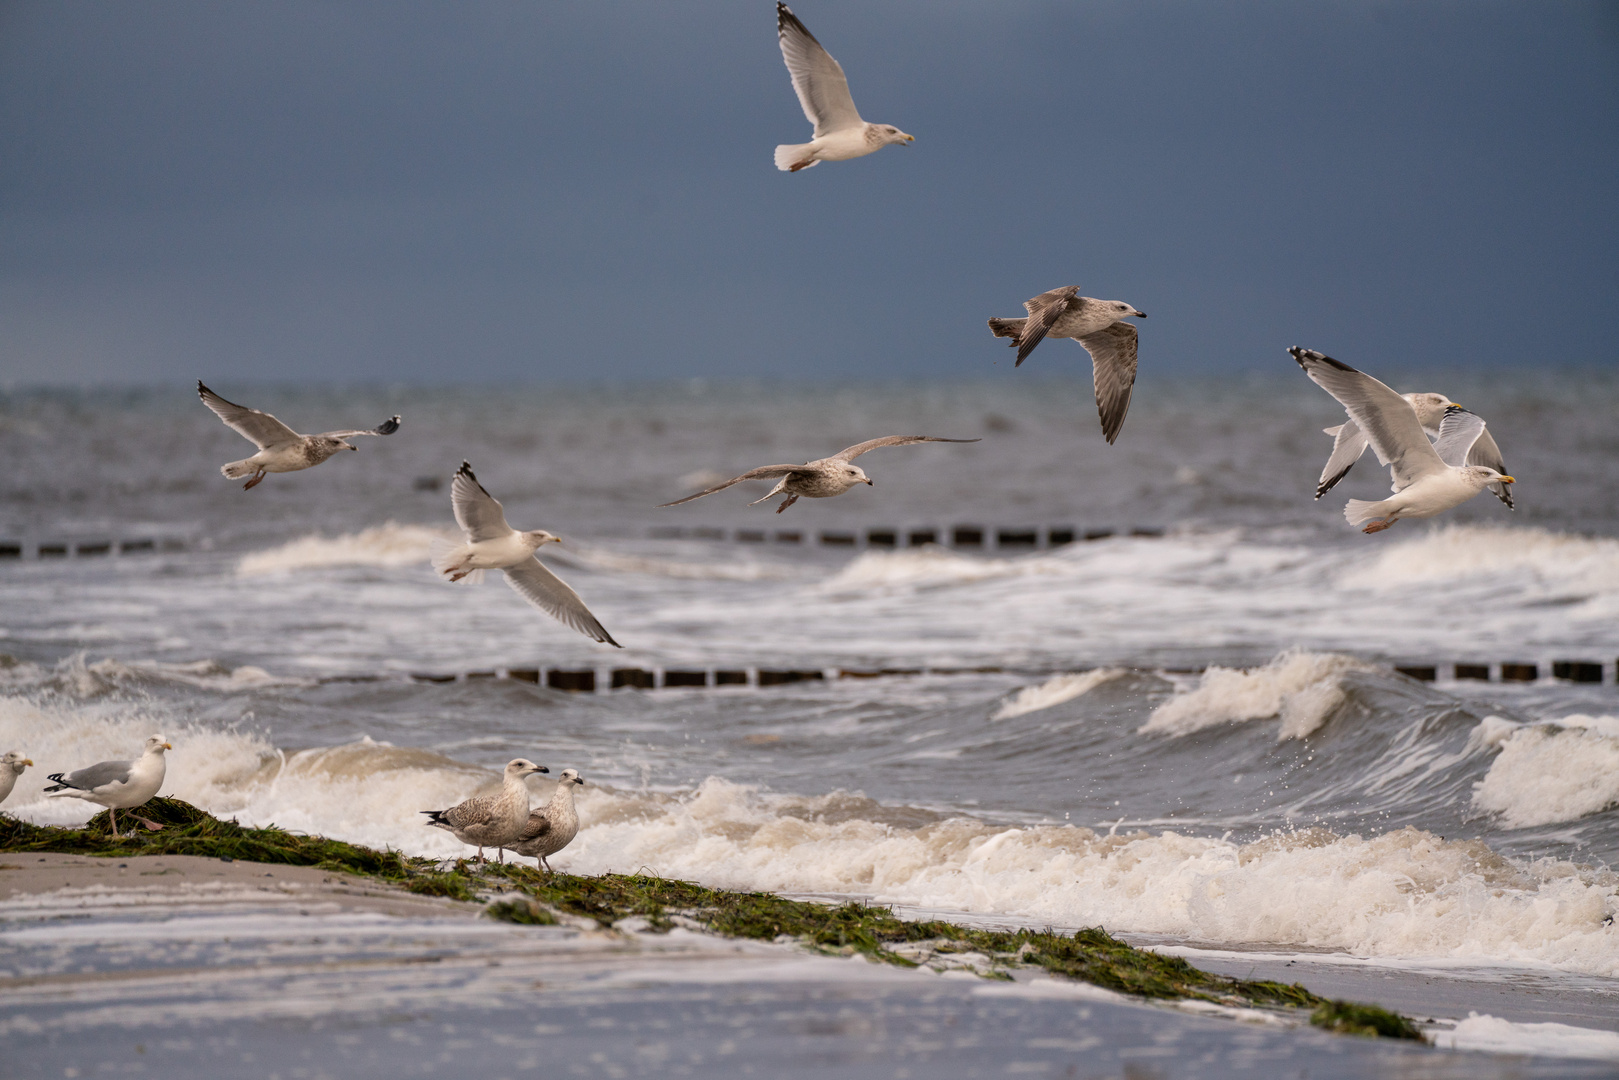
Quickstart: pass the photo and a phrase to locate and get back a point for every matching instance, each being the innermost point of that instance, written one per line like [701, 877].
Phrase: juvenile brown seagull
[552, 827]
[491, 820]
[819, 479]
[822, 90]
[281, 449]
[1096, 324]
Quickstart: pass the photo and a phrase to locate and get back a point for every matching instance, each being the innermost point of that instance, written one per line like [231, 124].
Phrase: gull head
[1125, 311]
[18, 763]
[1430, 408]
[1482, 475]
[854, 474]
[157, 744]
[331, 445]
[537, 538]
[892, 134]
[517, 768]
[570, 776]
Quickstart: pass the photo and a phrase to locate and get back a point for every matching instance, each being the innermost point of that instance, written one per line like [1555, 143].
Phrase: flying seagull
[491, 820]
[494, 545]
[117, 785]
[553, 827]
[281, 449]
[1429, 478]
[823, 91]
[1349, 443]
[1096, 324]
[819, 479]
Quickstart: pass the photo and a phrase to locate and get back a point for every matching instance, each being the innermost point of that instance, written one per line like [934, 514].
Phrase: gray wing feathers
[99, 775]
[1044, 311]
[259, 428]
[1485, 452]
[1458, 431]
[538, 825]
[474, 811]
[476, 511]
[888, 440]
[1348, 444]
[764, 472]
[822, 88]
[1113, 361]
[387, 427]
[534, 583]
[1388, 420]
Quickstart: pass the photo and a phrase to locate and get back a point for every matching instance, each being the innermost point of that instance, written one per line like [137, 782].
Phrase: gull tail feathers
[238, 469]
[791, 157]
[1012, 328]
[447, 556]
[1359, 511]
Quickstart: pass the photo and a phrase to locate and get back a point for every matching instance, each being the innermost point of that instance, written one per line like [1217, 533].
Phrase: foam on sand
[391, 544]
[1302, 688]
[1481, 1031]
[1555, 770]
[1054, 692]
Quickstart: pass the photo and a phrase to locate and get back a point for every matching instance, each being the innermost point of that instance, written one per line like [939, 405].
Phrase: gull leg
[148, 822]
[545, 864]
[112, 815]
[254, 482]
[785, 503]
[1378, 526]
[480, 853]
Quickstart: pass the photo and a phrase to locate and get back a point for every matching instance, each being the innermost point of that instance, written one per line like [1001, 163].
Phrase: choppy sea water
[1198, 737]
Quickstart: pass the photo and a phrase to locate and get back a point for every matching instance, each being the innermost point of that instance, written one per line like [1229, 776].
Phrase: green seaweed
[1090, 955]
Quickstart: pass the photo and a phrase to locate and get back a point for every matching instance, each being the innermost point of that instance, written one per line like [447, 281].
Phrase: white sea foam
[1300, 687]
[1054, 692]
[1481, 1031]
[1449, 552]
[930, 566]
[1405, 894]
[731, 570]
[1557, 770]
[391, 544]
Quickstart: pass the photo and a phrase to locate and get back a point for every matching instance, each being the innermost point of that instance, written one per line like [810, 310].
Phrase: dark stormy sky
[414, 192]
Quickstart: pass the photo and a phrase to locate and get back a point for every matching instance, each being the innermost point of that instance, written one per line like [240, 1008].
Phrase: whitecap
[1547, 772]
[1055, 691]
[1300, 687]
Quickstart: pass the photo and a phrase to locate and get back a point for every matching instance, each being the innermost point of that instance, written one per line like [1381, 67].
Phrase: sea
[1166, 691]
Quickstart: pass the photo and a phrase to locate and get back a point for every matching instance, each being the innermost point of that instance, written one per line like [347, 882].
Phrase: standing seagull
[11, 767]
[281, 449]
[553, 827]
[1349, 443]
[819, 479]
[494, 545]
[118, 785]
[1096, 324]
[823, 91]
[1429, 478]
[491, 820]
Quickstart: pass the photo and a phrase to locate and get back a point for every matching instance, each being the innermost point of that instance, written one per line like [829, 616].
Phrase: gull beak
[30, 761]
[1141, 314]
[166, 746]
[1508, 480]
[869, 483]
[1454, 405]
[541, 768]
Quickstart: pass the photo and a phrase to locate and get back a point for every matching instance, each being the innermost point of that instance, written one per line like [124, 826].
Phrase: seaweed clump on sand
[523, 895]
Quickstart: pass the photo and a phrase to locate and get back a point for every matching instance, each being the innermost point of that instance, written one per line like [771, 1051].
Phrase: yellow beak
[1508, 480]
[168, 746]
[27, 761]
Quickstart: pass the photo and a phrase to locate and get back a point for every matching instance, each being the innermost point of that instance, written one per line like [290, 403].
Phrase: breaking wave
[1451, 552]
[1301, 688]
[1551, 771]
[391, 544]
[1055, 691]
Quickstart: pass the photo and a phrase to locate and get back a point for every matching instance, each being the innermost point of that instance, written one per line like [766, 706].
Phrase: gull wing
[888, 440]
[475, 811]
[1485, 452]
[98, 775]
[259, 428]
[1348, 444]
[1458, 431]
[1389, 421]
[822, 89]
[764, 472]
[538, 825]
[1113, 365]
[1044, 311]
[534, 583]
[387, 427]
[476, 511]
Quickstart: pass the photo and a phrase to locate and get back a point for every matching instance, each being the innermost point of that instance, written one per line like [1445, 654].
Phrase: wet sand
[194, 967]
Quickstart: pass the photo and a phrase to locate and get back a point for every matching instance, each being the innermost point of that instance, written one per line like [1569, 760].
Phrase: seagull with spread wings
[1096, 324]
[823, 91]
[1349, 443]
[494, 545]
[281, 449]
[1429, 478]
[819, 479]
